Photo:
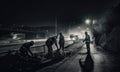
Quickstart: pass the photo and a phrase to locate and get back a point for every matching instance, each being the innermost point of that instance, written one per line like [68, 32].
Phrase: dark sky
[44, 12]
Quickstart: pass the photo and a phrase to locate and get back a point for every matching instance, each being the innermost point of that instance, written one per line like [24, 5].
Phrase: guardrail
[38, 49]
[43, 47]
[13, 51]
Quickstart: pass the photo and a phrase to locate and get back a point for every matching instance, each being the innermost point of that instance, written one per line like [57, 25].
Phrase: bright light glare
[14, 36]
[87, 21]
[94, 21]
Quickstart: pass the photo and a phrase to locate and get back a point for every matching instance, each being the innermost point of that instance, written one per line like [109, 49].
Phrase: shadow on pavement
[88, 64]
[14, 63]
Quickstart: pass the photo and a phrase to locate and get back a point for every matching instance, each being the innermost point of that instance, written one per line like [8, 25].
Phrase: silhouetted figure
[50, 41]
[25, 49]
[88, 64]
[87, 41]
[61, 42]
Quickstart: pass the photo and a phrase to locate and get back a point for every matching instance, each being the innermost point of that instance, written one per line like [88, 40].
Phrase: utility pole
[56, 25]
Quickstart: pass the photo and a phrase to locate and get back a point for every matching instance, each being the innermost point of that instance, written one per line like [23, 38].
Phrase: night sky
[44, 12]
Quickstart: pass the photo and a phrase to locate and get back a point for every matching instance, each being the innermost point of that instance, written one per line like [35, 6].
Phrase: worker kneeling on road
[49, 43]
[25, 49]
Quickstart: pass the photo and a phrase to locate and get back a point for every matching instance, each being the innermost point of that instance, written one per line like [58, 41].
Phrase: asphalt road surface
[79, 61]
[97, 61]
